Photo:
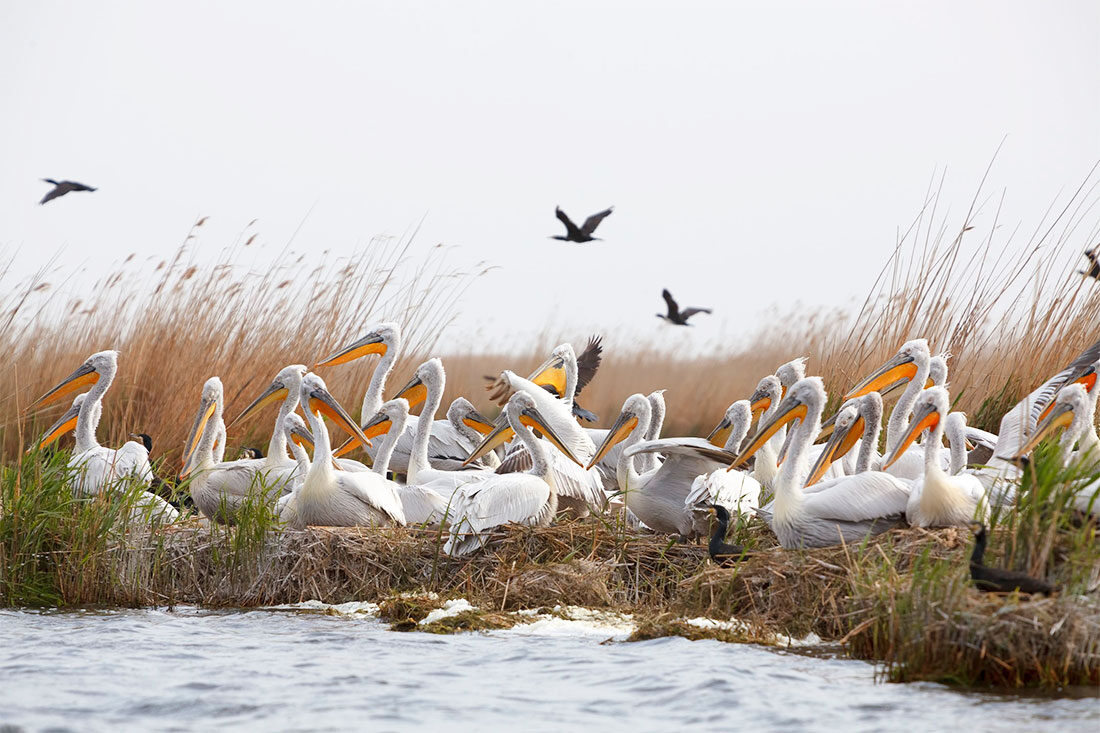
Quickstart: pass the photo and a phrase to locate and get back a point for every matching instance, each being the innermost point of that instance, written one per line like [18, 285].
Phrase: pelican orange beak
[791, 408]
[477, 421]
[301, 436]
[721, 433]
[276, 392]
[759, 403]
[1057, 416]
[206, 411]
[499, 435]
[551, 373]
[900, 367]
[64, 424]
[532, 418]
[1086, 378]
[840, 442]
[321, 402]
[84, 376]
[623, 427]
[415, 391]
[925, 417]
[380, 424]
[372, 343]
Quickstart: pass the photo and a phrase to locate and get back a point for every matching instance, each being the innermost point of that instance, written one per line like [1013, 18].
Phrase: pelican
[330, 496]
[858, 421]
[473, 426]
[1074, 410]
[763, 403]
[284, 388]
[525, 497]
[735, 491]
[911, 362]
[844, 509]
[578, 488]
[938, 499]
[220, 488]
[98, 468]
[446, 445]
[658, 497]
[420, 504]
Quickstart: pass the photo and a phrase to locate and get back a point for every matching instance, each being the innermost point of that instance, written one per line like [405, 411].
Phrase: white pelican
[473, 426]
[911, 362]
[938, 499]
[330, 496]
[658, 497]
[858, 422]
[845, 509]
[1074, 410]
[525, 497]
[96, 467]
[420, 504]
[446, 446]
[284, 388]
[735, 491]
[219, 488]
[764, 402]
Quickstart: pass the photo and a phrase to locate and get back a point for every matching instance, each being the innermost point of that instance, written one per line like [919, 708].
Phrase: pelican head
[461, 410]
[429, 377]
[287, 382]
[64, 424]
[847, 428]
[213, 394]
[930, 409]
[635, 410]
[391, 412]
[903, 365]
[737, 418]
[103, 363]
[791, 372]
[1085, 376]
[316, 398]
[551, 373]
[805, 397]
[379, 340]
[1070, 406]
[522, 407]
[297, 431]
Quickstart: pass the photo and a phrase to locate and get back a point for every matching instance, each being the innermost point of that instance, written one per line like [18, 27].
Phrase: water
[196, 669]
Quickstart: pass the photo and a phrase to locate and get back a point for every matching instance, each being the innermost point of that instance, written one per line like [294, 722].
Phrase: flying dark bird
[995, 579]
[1094, 257]
[584, 233]
[720, 552]
[62, 188]
[675, 315]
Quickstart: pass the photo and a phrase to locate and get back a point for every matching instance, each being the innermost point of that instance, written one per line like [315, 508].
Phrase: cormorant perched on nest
[675, 315]
[248, 452]
[60, 188]
[720, 552]
[995, 579]
[587, 363]
[1094, 257]
[582, 234]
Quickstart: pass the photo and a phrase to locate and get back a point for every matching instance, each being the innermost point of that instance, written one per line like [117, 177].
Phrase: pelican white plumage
[330, 496]
[420, 503]
[285, 388]
[446, 446]
[844, 509]
[98, 468]
[737, 491]
[1074, 411]
[220, 488]
[938, 499]
[524, 497]
[658, 497]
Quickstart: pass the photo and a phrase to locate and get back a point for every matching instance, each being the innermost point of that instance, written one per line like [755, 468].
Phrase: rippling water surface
[195, 669]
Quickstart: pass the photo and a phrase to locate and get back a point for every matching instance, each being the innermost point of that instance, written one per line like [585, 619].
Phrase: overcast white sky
[736, 140]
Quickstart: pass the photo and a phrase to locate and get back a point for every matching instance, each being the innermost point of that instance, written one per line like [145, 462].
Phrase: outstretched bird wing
[58, 190]
[687, 313]
[593, 221]
[673, 309]
[570, 228]
[588, 362]
[74, 186]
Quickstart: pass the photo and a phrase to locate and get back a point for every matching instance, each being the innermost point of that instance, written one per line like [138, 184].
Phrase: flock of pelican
[536, 462]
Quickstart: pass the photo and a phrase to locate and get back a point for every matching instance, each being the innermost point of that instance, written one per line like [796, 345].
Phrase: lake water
[295, 670]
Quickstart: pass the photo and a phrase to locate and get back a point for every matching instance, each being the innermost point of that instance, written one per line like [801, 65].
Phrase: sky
[756, 154]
